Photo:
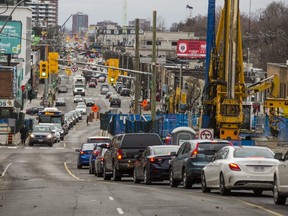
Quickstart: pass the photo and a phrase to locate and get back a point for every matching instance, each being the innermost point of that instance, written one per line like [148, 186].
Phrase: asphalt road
[41, 180]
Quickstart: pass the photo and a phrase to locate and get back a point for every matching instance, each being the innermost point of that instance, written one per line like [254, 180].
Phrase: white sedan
[240, 168]
[82, 109]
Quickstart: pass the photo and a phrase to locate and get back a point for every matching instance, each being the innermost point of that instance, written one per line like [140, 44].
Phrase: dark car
[84, 154]
[115, 101]
[119, 159]
[153, 164]
[95, 153]
[34, 110]
[99, 161]
[60, 102]
[108, 95]
[125, 92]
[190, 159]
[42, 135]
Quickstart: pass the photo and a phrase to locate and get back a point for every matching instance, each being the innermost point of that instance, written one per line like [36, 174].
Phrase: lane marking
[111, 198]
[12, 147]
[71, 174]
[6, 169]
[44, 148]
[64, 144]
[260, 207]
[59, 148]
[120, 211]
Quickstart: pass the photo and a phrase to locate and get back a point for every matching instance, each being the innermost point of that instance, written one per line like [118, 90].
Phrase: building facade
[280, 69]
[79, 22]
[44, 13]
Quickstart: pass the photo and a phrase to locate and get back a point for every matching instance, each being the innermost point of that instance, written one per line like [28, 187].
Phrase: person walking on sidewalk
[87, 120]
[23, 132]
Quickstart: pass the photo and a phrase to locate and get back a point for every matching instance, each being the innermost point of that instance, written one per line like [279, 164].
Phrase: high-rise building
[79, 22]
[57, 9]
[44, 13]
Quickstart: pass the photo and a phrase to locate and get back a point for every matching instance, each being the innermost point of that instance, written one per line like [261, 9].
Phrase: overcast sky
[169, 10]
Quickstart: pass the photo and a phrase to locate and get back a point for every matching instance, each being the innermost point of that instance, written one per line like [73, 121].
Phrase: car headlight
[49, 136]
[32, 135]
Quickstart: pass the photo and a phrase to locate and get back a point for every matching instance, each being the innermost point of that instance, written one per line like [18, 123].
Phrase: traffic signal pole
[46, 80]
[137, 64]
[154, 59]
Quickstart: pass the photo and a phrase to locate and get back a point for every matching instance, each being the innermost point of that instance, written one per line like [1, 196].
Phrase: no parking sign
[205, 133]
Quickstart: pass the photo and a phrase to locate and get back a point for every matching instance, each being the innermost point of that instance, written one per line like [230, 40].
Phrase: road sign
[95, 108]
[74, 68]
[68, 71]
[205, 133]
[144, 103]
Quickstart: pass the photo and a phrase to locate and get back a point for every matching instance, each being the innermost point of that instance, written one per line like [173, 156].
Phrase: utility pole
[46, 80]
[153, 87]
[137, 62]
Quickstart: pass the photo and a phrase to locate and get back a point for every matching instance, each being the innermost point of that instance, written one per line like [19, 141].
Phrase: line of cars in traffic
[215, 164]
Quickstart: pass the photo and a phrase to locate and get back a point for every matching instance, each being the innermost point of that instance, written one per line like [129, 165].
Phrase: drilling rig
[224, 82]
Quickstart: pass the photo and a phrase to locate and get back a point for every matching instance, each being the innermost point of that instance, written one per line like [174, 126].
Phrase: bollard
[10, 138]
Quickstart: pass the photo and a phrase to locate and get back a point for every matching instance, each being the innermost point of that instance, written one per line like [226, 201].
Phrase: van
[191, 158]
[121, 155]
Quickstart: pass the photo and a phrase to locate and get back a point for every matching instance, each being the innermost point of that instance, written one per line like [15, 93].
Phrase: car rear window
[98, 140]
[140, 141]
[210, 148]
[87, 146]
[252, 153]
[165, 150]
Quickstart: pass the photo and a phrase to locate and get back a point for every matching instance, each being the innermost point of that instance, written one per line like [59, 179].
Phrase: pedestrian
[87, 120]
[23, 132]
[30, 97]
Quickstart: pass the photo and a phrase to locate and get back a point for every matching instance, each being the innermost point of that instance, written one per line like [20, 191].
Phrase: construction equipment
[224, 89]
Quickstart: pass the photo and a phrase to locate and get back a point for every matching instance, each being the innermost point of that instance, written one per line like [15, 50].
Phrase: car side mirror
[77, 150]
[53, 132]
[173, 154]
[278, 156]
[104, 146]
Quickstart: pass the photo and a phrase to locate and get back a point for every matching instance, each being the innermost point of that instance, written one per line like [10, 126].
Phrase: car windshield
[77, 96]
[80, 106]
[252, 153]
[41, 129]
[165, 150]
[88, 146]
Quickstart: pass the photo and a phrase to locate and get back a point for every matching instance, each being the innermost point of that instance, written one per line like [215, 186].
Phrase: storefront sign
[10, 38]
[6, 103]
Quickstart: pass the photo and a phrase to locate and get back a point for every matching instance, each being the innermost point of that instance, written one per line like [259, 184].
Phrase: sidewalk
[27, 105]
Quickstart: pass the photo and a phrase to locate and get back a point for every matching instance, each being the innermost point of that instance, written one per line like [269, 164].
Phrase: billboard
[10, 37]
[191, 49]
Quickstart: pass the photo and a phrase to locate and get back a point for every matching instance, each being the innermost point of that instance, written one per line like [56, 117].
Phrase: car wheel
[116, 174]
[173, 182]
[204, 187]
[79, 166]
[50, 144]
[186, 183]
[135, 179]
[147, 180]
[30, 144]
[93, 169]
[278, 199]
[223, 190]
[106, 176]
[257, 192]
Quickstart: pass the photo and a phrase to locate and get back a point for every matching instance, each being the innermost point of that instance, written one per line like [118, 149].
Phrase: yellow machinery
[225, 91]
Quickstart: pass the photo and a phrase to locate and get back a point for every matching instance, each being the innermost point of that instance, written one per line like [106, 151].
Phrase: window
[174, 43]
[187, 148]
[149, 43]
[181, 149]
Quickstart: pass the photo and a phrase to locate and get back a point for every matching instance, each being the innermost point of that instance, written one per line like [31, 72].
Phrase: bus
[51, 115]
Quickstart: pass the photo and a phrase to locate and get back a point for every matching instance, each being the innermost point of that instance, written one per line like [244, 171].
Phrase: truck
[79, 85]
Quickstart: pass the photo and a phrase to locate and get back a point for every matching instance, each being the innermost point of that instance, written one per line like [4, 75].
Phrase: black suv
[120, 157]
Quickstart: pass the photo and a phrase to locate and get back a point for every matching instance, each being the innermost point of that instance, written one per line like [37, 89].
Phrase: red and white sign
[74, 68]
[205, 133]
[191, 49]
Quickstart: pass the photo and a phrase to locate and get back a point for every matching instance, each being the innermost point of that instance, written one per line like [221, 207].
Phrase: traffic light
[44, 69]
[112, 73]
[53, 62]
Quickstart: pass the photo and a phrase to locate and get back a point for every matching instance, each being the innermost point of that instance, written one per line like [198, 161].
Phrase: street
[42, 180]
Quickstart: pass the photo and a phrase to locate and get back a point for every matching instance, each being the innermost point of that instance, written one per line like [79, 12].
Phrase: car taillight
[102, 158]
[119, 154]
[234, 167]
[96, 152]
[194, 153]
[155, 160]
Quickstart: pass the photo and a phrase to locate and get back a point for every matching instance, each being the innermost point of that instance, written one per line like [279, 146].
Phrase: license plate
[40, 140]
[258, 169]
